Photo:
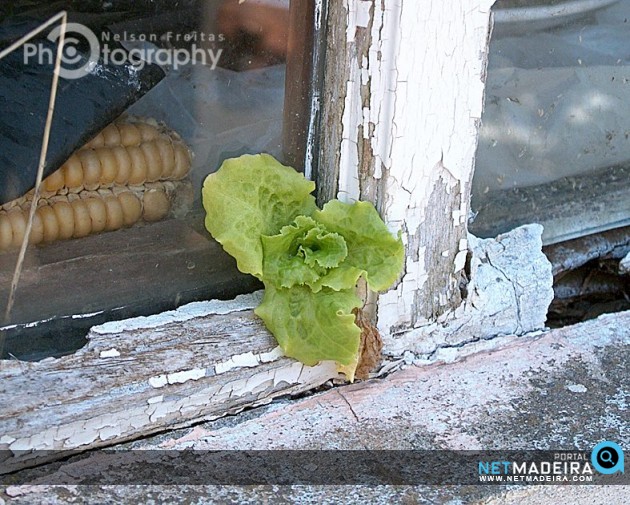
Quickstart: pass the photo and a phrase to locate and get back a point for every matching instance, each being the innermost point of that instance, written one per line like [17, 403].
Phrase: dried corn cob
[77, 215]
[127, 173]
[126, 134]
[155, 157]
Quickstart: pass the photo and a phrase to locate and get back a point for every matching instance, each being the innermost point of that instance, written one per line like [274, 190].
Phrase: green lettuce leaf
[312, 327]
[264, 215]
[251, 196]
[372, 249]
[301, 254]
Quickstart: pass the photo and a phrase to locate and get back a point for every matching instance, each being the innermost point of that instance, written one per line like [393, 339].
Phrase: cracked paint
[85, 432]
[510, 290]
[399, 156]
[160, 381]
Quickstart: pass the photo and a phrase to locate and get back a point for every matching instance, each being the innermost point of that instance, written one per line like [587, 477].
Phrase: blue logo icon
[607, 458]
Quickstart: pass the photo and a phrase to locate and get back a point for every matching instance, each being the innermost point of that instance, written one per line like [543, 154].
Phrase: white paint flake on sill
[160, 381]
[248, 359]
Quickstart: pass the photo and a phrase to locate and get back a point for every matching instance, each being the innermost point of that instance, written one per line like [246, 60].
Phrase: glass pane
[154, 95]
[554, 145]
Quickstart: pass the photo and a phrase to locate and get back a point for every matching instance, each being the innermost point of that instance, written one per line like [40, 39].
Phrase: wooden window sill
[146, 375]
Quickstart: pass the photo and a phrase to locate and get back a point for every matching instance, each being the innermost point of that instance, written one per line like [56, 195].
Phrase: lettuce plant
[309, 260]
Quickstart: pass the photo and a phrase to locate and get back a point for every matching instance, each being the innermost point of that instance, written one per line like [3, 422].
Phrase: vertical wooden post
[401, 111]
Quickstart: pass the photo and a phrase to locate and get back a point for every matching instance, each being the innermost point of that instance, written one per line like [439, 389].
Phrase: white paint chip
[111, 353]
[158, 382]
[186, 375]
[248, 360]
[460, 260]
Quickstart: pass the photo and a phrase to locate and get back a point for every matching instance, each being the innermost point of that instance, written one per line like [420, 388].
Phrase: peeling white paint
[108, 433]
[460, 257]
[248, 360]
[349, 190]
[177, 377]
[358, 16]
[508, 294]
[460, 261]
[89, 430]
[423, 75]
[158, 382]
[187, 375]
[183, 313]
[81, 437]
[424, 72]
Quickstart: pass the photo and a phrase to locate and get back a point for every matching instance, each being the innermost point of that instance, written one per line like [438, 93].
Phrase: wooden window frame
[413, 160]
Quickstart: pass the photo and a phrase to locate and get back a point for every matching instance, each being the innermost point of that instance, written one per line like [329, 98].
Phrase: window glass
[554, 146]
[153, 96]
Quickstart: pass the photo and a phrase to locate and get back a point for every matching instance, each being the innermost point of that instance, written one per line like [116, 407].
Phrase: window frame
[365, 151]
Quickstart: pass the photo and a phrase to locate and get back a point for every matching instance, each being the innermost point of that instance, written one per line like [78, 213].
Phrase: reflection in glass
[554, 144]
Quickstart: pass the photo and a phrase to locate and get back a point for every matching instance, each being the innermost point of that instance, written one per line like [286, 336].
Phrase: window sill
[146, 375]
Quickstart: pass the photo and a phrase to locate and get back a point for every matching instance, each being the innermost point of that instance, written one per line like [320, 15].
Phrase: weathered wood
[434, 101]
[572, 254]
[509, 290]
[146, 375]
[336, 76]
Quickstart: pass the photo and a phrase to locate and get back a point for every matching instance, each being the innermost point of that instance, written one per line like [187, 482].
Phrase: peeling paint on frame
[422, 75]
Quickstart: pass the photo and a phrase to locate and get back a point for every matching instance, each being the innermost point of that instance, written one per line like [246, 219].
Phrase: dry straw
[63, 18]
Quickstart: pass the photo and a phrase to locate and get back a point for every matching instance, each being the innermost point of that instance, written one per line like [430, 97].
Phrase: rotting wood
[572, 254]
[334, 92]
[146, 375]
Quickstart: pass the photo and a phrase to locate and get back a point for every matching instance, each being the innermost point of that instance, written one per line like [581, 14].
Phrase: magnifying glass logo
[607, 458]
